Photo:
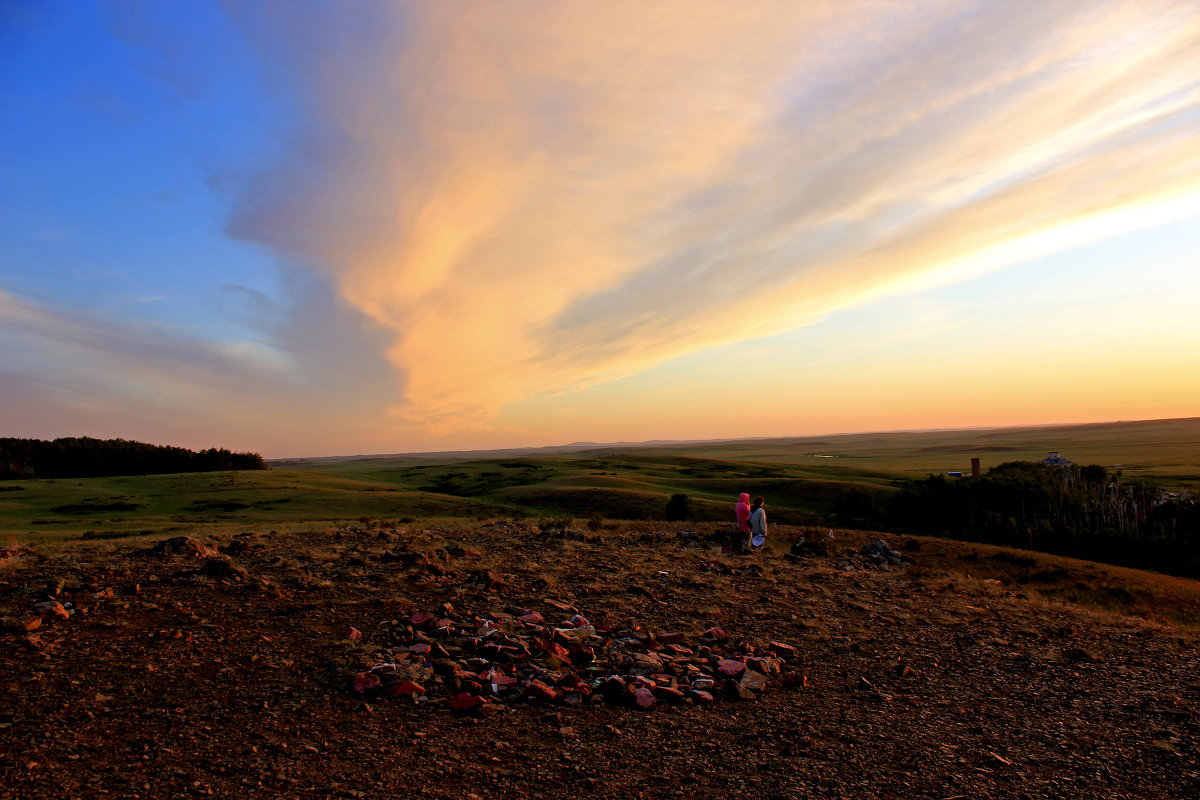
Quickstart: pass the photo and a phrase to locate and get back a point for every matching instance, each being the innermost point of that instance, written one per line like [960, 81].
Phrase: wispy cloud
[534, 202]
[73, 372]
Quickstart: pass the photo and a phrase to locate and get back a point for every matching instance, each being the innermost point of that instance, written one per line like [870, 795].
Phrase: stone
[614, 688]
[222, 569]
[754, 681]
[669, 694]
[365, 681]
[700, 696]
[51, 610]
[406, 688]
[542, 691]
[643, 697]
[465, 701]
[735, 691]
[730, 668]
[422, 619]
[352, 633]
[182, 545]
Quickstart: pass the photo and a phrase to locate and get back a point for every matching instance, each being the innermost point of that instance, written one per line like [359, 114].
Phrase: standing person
[742, 512]
[758, 523]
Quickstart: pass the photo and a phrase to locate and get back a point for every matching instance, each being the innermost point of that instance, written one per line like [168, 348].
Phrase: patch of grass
[943, 564]
[91, 507]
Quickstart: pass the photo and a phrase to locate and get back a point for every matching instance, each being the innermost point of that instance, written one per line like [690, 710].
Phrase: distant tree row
[85, 457]
[1070, 510]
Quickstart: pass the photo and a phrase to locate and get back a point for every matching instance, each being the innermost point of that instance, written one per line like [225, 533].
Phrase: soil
[180, 672]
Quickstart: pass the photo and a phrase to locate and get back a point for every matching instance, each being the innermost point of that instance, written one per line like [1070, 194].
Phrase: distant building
[1055, 460]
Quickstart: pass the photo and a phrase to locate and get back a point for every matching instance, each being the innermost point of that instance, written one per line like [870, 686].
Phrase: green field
[803, 479]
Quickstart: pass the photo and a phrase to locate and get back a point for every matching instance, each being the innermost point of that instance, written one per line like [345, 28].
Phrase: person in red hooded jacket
[742, 512]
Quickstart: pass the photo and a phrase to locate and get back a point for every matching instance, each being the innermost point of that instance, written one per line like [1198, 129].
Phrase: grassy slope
[627, 482]
[1167, 451]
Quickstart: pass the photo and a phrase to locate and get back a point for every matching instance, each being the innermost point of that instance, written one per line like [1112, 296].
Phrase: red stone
[539, 689]
[679, 649]
[364, 681]
[405, 687]
[532, 618]
[643, 697]
[52, 610]
[668, 693]
[672, 638]
[464, 701]
[352, 633]
[421, 619]
[730, 668]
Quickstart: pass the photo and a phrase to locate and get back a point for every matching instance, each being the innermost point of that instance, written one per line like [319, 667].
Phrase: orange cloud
[541, 201]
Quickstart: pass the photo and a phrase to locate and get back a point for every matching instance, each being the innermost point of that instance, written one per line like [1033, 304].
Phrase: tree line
[84, 457]
[1084, 512]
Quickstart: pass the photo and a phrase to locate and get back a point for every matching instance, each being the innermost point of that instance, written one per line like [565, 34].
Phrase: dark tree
[85, 457]
[679, 508]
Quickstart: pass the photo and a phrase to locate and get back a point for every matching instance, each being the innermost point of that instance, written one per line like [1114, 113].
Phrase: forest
[85, 457]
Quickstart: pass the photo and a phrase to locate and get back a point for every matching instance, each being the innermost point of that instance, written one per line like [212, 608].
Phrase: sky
[311, 229]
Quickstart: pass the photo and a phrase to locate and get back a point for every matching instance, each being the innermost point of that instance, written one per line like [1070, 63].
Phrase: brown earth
[232, 675]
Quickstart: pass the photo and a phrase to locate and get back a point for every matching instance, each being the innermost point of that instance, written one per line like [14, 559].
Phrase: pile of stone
[875, 555]
[181, 545]
[60, 601]
[482, 663]
[812, 542]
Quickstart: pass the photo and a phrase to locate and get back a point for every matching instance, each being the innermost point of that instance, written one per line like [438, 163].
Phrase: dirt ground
[232, 674]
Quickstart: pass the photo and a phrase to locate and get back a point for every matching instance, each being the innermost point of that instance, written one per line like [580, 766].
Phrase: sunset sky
[330, 228]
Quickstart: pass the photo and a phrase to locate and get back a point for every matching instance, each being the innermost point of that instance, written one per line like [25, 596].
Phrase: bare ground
[236, 683]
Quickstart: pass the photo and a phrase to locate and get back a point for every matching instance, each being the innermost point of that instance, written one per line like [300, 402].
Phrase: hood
[744, 498]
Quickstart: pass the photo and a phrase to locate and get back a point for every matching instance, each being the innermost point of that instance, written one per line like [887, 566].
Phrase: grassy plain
[804, 479]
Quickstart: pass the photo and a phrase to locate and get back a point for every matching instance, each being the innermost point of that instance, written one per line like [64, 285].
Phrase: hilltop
[967, 670]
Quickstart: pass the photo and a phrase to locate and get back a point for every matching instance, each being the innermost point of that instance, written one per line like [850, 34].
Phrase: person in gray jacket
[758, 523]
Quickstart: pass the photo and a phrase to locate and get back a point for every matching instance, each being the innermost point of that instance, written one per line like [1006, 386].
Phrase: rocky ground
[272, 667]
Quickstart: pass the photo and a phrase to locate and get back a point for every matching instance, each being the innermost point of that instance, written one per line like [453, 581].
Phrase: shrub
[679, 508]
